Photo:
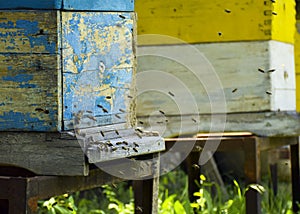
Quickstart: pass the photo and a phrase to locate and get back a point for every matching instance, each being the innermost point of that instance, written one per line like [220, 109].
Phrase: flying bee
[271, 70]
[134, 149]
[88, 111]
[108, 97]
[129, 96]
[122, 110]
[139, 135]
[261, 70]
[102, 133]
[91, 117]
[196, 166]
[135, 144]
[170, 93]
[117, 132]
[220, 33]
[121, 16]
[162, 112]
[114, 149]
[274, 13]
[141, 122]
[234, 90]
[227, 11]
[125, 143]
[268, 92]
[119, 143]
[124, 148]
[117, 116]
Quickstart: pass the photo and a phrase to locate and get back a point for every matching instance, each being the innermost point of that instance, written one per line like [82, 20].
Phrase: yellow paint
[297, 65]
[195, 21]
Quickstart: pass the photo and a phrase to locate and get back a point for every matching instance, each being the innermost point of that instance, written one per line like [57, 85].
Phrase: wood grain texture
[217, 20]
[267, 124]
[96, 5]
[297, 64]
[42, 153]
[29, 71]
[187, 79]
[98, 66]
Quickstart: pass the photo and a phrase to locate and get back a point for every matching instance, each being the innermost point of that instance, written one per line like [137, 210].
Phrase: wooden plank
[42, 153]
[254, 76]
[98, 66]
[297, 63]
[271, 124]
[97, 5]
[28, 92]
[29, 32]
[115, 144]
[197, 21]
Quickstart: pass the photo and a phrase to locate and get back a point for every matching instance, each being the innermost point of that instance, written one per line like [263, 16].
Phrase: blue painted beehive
[66, 63]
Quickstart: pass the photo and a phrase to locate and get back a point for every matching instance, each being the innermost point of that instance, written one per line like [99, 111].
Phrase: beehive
[248, 46]
[66, 63]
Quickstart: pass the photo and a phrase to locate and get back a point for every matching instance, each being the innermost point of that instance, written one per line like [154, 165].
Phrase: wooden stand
[20, 194]
[252, 147]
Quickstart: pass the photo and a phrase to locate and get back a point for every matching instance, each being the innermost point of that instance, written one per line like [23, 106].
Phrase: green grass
[173, 198]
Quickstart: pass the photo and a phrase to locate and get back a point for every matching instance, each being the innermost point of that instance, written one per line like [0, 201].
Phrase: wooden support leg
[252, 174]
[193, 171]
[274, 180]
[146, 191]
[295, 175]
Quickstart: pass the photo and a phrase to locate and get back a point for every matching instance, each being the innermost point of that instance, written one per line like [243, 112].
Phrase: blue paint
[31, 31]
[18, 78]
[94, 5]
[26, 122]
[26, 85]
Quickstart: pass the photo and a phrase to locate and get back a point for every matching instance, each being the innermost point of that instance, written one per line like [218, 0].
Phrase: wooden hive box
[68, 65]
[249, 48]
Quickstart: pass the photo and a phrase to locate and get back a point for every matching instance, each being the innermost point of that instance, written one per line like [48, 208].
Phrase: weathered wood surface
[268, 124]
[254, 76]
[197, 21]
[42, 153]
[98, 67]
[297, 63]
[113, 142]
[29, 71]
[98, 5]
[58, 66]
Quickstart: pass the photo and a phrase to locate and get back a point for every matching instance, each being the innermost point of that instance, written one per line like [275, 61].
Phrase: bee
[102, 133]
[124, 148]
[220, 33]
[91, 117]
[117, 116]
[162, 112]
[268, 92]
[196, 166]
[271, 70]
[117, 132]
[139, 130]
[121, 16]
[227, 11]
[274, 13]
[122, 110]
[130, 97]
[103, 109]
[134, 149]
[125, 143]
[171, 93]
[194, 120]
[88, 111]
[135, 144]
[139, 135]
[234, 90]
[141, 122]
[108, 97]
[159, 122]
[273, 1]
[119, 143]
[261, 70]
[109, 144]
[121, 172]
[114, 149]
